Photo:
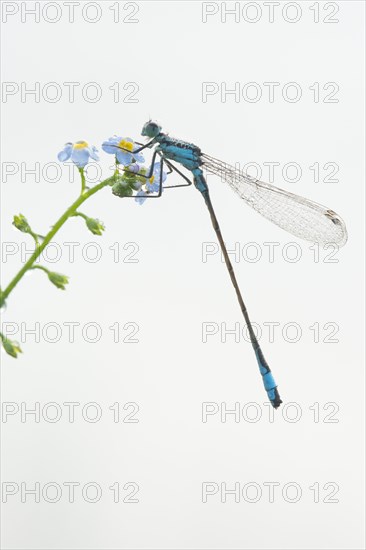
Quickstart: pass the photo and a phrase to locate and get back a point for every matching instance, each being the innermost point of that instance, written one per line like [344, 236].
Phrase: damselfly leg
[172, 167]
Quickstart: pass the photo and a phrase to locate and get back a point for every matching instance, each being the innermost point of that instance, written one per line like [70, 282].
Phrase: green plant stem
[60, 222]
[40, 267]
[81, 215]
[83, 183]
[35, 237]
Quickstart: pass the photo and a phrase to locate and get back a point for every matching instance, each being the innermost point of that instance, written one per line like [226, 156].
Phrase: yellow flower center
[151, 180]
[80, 145]
[126, 145]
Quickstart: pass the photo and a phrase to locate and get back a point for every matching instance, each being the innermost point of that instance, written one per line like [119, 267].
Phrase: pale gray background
[170, 292]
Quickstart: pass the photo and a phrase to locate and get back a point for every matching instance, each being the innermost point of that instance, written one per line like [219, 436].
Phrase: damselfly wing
[301, 217]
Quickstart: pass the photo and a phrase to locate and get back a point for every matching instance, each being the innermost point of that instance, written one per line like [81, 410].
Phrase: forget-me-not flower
[79, 153]
[123, 148]
[152, 184]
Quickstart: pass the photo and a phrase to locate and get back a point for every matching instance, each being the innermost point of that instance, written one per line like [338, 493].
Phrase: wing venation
[301, 217]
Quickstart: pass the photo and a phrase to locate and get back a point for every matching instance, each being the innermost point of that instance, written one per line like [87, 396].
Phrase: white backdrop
[151, 395]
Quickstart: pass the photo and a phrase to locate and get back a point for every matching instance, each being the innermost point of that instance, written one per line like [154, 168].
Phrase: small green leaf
[11, 347]
[58, 279]
[21, 223]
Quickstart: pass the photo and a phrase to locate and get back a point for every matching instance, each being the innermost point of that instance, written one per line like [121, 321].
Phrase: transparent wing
[299, 216]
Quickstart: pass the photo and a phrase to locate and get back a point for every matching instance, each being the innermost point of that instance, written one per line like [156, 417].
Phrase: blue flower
[141, 197]
[123, 148]
[152, 185]
[79, 153]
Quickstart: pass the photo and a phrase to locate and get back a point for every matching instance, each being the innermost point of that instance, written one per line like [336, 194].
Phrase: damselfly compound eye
[151, 129]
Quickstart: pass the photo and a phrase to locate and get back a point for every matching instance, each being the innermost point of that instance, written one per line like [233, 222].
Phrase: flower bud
[95, 226]
[11, 347]
[133, 168]
[21, 223]
[57, 279]
[122, 188]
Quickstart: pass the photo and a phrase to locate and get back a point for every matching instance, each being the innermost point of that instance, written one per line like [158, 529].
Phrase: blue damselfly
[299, 216]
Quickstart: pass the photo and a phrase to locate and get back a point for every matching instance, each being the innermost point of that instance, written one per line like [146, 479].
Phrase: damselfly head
[151, 129]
